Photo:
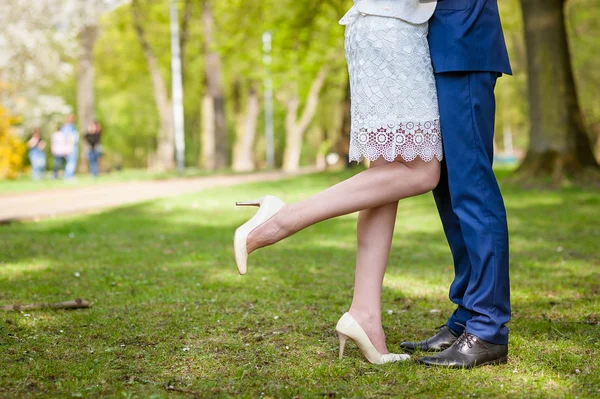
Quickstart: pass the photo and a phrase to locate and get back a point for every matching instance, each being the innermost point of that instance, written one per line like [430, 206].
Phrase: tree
[215, 148]
[84, 16]
[243, 72]
[245, 127]
[35, 51]
[311, 47]
[88, 33]
[166, 136]
[559, 145]
[294, 126]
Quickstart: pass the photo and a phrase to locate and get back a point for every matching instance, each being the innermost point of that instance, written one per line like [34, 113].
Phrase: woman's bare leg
[371, 188]
[375, 228]
[375, 193]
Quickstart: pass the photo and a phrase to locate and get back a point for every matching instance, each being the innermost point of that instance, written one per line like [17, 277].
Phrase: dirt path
[44, 204]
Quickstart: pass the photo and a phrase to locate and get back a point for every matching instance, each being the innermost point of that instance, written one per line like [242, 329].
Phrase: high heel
[343, 339]
[267, 207]
[347, 327]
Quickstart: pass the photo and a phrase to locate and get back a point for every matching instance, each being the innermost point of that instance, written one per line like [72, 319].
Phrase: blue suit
[468, 54]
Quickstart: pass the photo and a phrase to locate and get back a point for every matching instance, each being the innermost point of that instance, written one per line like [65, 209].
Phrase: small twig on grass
[170, 387]
[76, 304]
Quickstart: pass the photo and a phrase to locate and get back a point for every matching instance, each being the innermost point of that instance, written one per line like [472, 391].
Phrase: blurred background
[252, 84]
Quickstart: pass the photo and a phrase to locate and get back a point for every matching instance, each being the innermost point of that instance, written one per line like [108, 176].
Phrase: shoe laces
[466, 339]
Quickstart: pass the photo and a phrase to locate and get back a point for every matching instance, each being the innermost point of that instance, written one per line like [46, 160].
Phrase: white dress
[394, 107]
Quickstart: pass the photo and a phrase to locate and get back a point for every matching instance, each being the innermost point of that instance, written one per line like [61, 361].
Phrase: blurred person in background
[60, 148]
[37, 156]
[72, 135]
[92, 139]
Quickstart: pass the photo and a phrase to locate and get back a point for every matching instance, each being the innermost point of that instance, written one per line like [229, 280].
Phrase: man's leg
[477, 203]
[460, 255]
[451, 132]
[476, 198]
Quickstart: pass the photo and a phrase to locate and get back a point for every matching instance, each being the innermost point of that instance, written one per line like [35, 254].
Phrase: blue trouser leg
[462, 264]
[58, 161]
[71, 165]
[37, 159]
[476, 228]
[93, 158]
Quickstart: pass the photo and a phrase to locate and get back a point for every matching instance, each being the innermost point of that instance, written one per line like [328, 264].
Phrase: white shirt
[60, 144]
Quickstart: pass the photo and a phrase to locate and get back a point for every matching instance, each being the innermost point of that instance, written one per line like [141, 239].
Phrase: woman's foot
[371, 324]
[273, 230]
[268, 206]
[348, 328]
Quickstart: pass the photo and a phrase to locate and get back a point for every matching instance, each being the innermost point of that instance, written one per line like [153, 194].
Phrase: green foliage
[124, 91]
[170, 310]
[304, 38]
[306, 35]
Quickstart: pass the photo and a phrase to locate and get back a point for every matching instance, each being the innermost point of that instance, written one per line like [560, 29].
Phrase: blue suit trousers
[471, 206]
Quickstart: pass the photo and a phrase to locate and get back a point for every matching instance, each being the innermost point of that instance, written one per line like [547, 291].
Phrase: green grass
[25, 184]
[170, 310]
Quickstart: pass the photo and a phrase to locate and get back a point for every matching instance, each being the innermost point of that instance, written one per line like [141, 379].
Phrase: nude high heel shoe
[347, 327]
[268, 206]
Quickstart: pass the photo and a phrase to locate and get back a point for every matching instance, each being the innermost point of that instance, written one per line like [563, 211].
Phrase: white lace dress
[394, 108]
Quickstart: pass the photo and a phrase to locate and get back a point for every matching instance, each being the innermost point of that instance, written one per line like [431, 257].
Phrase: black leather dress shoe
[468, 351]
[440, 341]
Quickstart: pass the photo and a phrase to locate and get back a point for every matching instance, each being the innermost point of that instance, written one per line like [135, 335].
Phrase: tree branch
[139, 30]
[76, 304]
[313, 98]
[185, 31]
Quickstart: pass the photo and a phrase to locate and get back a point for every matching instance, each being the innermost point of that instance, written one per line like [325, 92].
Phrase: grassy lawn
[170, 310]
[25, 184]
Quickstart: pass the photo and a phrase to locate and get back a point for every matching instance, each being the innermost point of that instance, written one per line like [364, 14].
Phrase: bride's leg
[371, 188]
[375, 229]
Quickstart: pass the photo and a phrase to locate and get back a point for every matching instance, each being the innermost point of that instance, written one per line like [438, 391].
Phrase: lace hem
[408, 140]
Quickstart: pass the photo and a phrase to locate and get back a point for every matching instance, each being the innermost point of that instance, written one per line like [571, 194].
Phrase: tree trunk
[596, 134]
[185, 33]
[208, 133]
[85, 76]
[246, 121]
[213, 71]
[559, 146]
[343, 143]
[294, 127]
[86, 109]
[166, 138]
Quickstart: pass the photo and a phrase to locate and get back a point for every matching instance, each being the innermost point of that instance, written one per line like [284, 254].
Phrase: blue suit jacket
[466, 35]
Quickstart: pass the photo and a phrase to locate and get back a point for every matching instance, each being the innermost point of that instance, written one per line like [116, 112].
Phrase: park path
[49, 203]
